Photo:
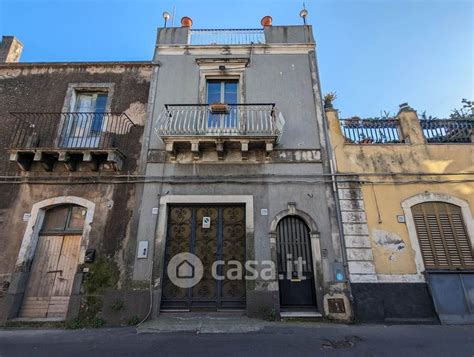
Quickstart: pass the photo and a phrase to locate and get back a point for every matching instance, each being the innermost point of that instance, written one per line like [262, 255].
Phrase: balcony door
[84, 126]
[223, 91]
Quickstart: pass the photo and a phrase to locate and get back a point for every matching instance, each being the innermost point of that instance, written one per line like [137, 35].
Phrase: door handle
[55, 271]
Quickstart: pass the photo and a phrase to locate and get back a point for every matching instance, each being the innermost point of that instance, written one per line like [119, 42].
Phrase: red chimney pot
[186, 21]
[266, 21]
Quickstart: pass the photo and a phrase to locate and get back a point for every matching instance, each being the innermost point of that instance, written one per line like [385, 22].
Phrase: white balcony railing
[242, 120]
[226, 37]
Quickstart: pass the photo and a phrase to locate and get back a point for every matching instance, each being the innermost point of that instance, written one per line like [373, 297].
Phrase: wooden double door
[51, 277]
[212, 233]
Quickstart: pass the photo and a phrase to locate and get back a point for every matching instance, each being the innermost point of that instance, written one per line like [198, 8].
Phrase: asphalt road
[286, 340]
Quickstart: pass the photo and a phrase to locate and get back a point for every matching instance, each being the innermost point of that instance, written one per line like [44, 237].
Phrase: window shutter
[442, 235]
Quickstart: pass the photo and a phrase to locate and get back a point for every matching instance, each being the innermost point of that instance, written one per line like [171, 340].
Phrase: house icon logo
[185, 270]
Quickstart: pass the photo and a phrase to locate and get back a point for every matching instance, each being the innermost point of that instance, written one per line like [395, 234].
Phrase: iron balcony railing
[448, 130]
[234, 120]
[226, 37]
[371, 131]
[71, 131]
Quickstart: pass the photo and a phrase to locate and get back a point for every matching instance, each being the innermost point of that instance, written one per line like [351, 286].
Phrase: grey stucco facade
[289, 179]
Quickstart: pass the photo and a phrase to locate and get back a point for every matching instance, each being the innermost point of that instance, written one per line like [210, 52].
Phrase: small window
[66, 218]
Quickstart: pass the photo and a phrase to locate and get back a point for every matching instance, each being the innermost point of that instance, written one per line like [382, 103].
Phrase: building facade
[406, 196]
[70, 142]
[213, 179]
[217, 147]
[236, 171]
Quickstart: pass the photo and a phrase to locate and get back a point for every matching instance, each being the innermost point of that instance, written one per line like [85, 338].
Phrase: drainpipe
[333, 167]
[332, 163]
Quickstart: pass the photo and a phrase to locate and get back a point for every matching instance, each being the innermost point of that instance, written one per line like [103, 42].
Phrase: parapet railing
[74, 130]
[448, 130]
[371, 131]
[220, 120]
[226, 36]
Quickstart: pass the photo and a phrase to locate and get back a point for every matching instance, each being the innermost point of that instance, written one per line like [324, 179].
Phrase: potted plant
[219, 108]
[329, 98]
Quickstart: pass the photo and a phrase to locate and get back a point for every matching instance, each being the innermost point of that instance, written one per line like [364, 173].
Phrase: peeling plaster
[137, 113]
[437, 165]
[96, 69]
[388, 240]
[6, 73]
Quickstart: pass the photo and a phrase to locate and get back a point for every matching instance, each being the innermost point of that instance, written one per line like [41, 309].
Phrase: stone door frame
[162, 229]
[28, 248]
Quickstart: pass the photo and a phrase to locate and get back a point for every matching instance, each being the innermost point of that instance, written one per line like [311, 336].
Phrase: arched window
[443, 237]
[64, 219]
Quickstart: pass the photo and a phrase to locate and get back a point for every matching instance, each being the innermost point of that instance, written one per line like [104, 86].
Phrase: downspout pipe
[332, 168]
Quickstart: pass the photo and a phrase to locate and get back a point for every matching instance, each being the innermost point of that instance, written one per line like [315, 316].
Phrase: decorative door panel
[205, 248]
[233, 249]
[178, 241]
[222, 238]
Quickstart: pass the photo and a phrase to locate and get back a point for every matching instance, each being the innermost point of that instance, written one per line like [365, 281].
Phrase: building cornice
[287, 48]
[79, 64]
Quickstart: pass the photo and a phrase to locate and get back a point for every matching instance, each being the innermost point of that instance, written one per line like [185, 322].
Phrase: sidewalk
[203, 323]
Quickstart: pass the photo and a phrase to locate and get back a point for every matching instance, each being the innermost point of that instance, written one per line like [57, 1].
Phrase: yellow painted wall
[415, 165]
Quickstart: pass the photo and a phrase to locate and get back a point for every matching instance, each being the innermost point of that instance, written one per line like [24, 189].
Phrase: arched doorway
[295, 264]
[54, 263]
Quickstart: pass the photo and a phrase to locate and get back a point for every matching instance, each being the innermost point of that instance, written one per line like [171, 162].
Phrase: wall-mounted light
[221, 68]
[304, 14]
[166, 16]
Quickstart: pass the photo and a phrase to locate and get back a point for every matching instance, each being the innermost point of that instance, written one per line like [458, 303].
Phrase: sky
[375, 54]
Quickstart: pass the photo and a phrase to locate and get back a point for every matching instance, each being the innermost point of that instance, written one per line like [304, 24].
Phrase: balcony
[226, 36]
[389, 131]
[176, 39]
[70, 138]
[371, 131]
[220, 125]
[448, 130]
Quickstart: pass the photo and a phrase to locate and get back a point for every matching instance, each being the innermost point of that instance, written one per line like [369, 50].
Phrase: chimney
[10, 49]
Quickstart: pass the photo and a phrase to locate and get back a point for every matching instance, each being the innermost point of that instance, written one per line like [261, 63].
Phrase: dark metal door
[223, 239]
[453, 296]
[295, 264]
[449, 262]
